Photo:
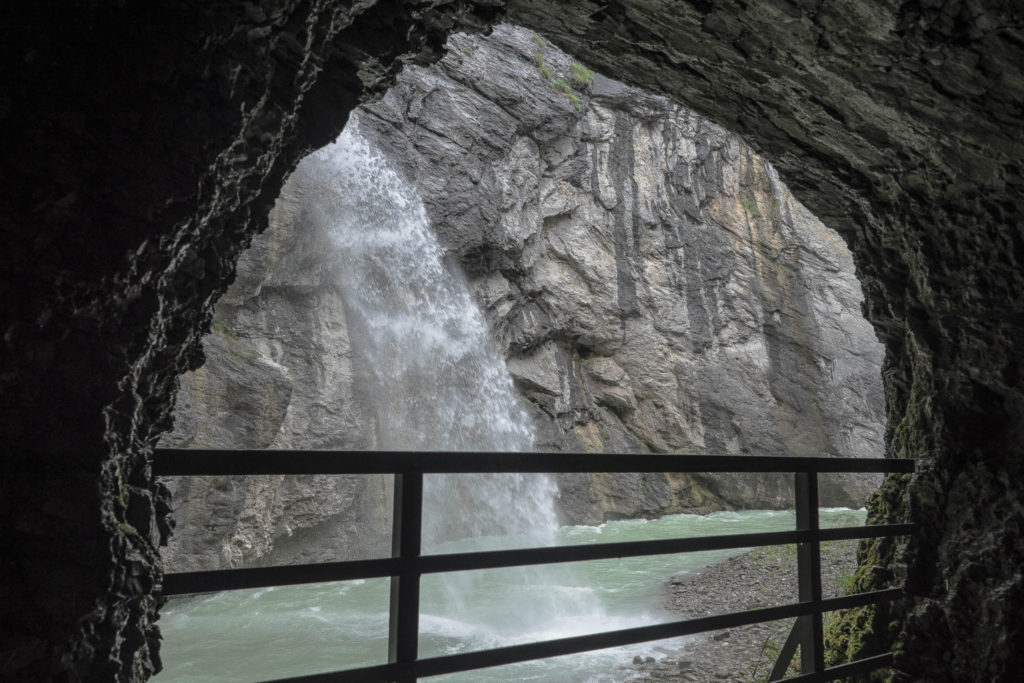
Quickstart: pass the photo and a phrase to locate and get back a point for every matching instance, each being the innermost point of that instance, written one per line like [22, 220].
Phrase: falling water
[432, 376]
[435, 381]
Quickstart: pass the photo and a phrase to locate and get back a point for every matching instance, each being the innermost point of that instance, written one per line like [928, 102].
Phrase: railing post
[406, 529]
[808, 562]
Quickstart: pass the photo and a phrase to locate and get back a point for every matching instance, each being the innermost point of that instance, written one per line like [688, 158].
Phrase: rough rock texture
[654, 285]
[137, 165]
[278, 374]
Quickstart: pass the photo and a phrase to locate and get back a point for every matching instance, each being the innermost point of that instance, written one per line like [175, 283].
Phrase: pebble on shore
[758, 578]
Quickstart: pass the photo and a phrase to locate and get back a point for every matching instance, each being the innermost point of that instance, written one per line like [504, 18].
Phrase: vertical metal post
[808, 562]
[406, 528]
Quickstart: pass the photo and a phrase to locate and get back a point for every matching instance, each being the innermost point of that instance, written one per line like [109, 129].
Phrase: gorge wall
[652, 283]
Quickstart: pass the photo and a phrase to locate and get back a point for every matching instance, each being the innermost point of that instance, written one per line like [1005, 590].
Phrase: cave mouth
[605, 177]
[898, 125]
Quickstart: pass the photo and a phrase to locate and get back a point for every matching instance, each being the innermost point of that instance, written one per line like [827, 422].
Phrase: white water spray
[435, 381]
[432, 376]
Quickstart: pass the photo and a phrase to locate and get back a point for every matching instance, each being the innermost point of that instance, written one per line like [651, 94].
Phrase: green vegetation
[865, 631]
[561, 86]
[750, 204]
[128, 530]
[580, 74]
[762, 664]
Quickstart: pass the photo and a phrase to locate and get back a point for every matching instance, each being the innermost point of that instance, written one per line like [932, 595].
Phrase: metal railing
[407, 565]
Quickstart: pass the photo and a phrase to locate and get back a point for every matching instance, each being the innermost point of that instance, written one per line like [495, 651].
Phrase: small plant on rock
[580, 74]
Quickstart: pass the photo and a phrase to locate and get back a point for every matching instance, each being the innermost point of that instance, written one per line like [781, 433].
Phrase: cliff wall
[653, 284]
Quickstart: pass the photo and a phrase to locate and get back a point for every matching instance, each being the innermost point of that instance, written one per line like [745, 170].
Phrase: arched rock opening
[897, 124]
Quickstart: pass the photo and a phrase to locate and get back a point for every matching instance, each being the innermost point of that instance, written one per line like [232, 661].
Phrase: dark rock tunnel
[146, 143]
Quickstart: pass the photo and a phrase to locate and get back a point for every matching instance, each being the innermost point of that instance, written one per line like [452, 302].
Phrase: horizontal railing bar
[494, 559]
[184, 583]
[257, 577]
[861, 599]
[599, 641]
[382, 673]
[843, 670]
[468, 661]
[199, 462]
[850, 532]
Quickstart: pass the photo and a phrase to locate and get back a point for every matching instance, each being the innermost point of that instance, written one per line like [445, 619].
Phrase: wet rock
[655, 285]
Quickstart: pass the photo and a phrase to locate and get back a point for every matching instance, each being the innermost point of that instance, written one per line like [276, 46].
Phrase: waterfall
[434, 380]
[431, 373]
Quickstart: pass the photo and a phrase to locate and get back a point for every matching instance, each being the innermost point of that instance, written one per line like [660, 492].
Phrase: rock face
[278, 374]
[146, 143]
[654, 285]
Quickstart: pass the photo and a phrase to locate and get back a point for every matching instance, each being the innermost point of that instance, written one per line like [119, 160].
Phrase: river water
[254, 635]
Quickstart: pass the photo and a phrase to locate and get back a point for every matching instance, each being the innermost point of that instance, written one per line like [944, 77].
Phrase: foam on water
[260, 634]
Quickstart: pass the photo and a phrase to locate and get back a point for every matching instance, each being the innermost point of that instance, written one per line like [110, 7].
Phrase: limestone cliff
[654, 285]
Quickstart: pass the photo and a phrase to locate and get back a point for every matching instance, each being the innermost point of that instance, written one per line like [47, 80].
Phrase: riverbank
[758, 578]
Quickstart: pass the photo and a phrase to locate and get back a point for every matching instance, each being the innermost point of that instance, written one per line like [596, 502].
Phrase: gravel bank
[759, 578]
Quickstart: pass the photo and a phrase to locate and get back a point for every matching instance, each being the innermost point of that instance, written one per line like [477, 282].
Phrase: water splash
[434, 380]
[432, 375]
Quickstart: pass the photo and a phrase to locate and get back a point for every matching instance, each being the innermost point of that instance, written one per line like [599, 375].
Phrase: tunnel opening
[687, 303]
